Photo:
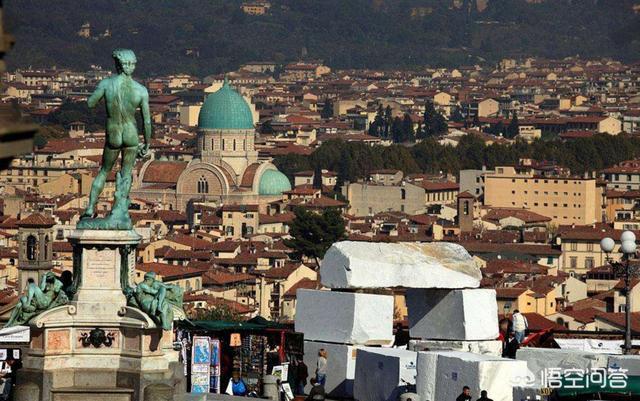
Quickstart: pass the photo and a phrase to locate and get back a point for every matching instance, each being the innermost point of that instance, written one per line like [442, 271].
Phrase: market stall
[213, 350]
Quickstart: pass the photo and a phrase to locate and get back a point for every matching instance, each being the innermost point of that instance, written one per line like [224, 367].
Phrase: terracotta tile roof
[210, 219]
[509, 293]
[225, 246]
[586, 315]
[281, 273]
[163, 172]
[249, 175]
[495, 215]
[171, 272]
[618, 320]
[530, 249]
[36, 220]
[213, 301]
[439, 186]
[492, 236]
[589, 303]
[537, 322]
[593, 232]
[305, 283]
[62, 247]
[465, 195]
[505, 266]
[285, 217]
[219, 278]
[240, 208]
[191, 241]
[171, 216]
[319, 203]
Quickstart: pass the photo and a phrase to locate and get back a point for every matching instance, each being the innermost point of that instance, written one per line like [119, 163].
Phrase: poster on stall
[286, 389]
[200, 382]
[281, 372]
[214, 377]
[201, 353]
[200, 364]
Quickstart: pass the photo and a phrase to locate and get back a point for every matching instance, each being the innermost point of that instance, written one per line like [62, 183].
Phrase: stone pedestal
[96, 347]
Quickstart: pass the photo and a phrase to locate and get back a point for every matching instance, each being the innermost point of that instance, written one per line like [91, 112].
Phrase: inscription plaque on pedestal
[99, 268]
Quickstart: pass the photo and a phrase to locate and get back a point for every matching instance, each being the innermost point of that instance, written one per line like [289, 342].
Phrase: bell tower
[35, 253]
[466, 205]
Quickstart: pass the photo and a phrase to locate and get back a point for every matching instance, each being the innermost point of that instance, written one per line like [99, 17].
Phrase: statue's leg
[109, 157]
[128, 160]
[162, 292]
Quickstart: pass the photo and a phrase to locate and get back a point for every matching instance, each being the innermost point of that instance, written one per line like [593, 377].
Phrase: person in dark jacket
[302, 374]
[483, 396]
[466, 394]
[317, 391]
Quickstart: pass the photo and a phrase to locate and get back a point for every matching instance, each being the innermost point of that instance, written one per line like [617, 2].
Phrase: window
[590, 246]
[465, 210]
[549, 260]
[203, 185]
[573, 246]
[403, 194]
[32, 247]
[573, 262]
[589, 263]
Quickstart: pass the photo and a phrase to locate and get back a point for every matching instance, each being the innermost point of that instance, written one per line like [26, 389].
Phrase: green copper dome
[225, 109]
[273, 182]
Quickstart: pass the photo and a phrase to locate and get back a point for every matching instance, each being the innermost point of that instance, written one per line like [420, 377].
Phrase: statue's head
[150, 276]
[125, 60]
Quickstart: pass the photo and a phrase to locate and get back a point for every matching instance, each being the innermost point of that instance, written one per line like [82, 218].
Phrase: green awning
[255, 324]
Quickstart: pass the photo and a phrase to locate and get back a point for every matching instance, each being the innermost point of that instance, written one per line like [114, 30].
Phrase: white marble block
[382, 374]
[539, 359]
[352, 264]
[484, 347]
[630, 363]
[443, 374]
[341, 366]
[345, 317]
[437, 314]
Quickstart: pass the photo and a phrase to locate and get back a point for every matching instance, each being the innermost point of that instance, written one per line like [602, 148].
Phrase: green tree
[388, 119]
[457, 116]
[327, 109]
[397, 131]
[407, 129]
[312, 233]
[220, 312]
[434, 122]
[512, 129]
[317, 177]
[377, 125]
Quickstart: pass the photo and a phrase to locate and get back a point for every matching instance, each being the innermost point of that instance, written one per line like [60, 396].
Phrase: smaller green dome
[225, 109]
[273, 182]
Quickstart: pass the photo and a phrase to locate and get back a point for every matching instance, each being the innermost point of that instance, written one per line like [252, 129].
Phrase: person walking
[321, 367]
[520, 325]
[466, 394]
[7, 378]
[483, 396]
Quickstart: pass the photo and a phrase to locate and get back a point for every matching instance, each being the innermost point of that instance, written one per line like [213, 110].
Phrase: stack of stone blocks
[452, 322]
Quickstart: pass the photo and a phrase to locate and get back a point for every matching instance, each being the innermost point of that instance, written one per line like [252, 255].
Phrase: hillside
[353, 33]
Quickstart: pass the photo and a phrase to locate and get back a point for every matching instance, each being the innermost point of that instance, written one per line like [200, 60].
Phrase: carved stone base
[96, 347]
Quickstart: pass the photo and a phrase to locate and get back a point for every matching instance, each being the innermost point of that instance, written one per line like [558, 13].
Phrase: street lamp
[625, 270]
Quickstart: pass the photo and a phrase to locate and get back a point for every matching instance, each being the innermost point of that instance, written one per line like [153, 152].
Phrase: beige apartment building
[566, 200]
[369, 198]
